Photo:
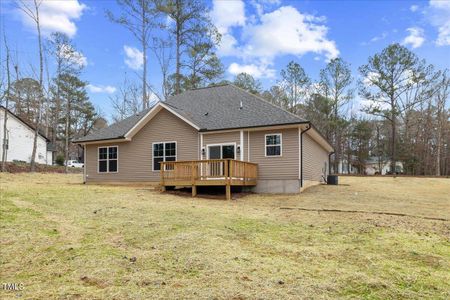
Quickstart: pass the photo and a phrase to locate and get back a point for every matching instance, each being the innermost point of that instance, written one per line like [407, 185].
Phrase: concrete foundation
[309, 183]
[277, 186]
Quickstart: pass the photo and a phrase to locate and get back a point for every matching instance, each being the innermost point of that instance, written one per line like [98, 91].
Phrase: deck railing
[211, 169]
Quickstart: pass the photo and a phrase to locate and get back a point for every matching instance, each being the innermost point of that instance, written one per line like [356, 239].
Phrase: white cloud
[415, 38]
[101, 89]
[73, 56]
[287, 31]
[226, 15]
[439, 16]
[379, 37]
[256, 70]
[228, 45]
[55, 15]
[375, 39]
[264, 37]
[414, 8]
[134, 57]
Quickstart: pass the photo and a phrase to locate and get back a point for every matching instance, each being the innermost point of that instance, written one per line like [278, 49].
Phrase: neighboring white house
[19, 141]
[373, 166]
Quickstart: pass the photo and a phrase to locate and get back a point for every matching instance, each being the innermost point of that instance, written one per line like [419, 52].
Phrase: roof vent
[240, 104]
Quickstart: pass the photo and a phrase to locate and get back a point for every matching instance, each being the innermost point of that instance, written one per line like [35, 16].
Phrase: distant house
[377, 166]
[219, 135]
[19, 141]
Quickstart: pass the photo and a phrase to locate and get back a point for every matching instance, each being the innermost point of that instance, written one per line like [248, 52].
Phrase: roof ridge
[210, 86]
[264, 100]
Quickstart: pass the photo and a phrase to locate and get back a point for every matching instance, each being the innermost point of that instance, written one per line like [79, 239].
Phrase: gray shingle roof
[212, 108]
[217, 108]
[114, 131]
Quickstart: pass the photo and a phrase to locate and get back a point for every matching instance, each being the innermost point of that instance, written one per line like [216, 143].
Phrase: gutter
[256, 126]
[301, 153]
[80, 141]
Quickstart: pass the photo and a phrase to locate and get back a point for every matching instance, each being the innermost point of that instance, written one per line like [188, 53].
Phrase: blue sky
[259, 37]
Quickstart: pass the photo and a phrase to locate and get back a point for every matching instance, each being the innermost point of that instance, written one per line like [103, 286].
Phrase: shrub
[59, 160]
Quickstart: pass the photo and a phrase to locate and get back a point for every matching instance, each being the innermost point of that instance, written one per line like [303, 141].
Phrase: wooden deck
[212, 172]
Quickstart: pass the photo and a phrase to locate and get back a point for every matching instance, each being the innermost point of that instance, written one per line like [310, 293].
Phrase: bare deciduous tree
[126, 101]
[162, 49]
[335, 81]
[32, 11]
[138, 17]
[441, 96]
[6, 95]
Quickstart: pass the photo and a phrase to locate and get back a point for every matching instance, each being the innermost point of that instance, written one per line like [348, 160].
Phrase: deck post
[228, 191]
[161, 172]
[194, 187]
[230, 173]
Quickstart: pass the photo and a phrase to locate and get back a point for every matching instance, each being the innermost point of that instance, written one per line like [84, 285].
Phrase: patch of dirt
[93, 282]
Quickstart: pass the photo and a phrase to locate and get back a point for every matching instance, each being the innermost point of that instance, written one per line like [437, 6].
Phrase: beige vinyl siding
[314, 159]
[135, 157]
[227, 137]
[273, 167]
[221, 138]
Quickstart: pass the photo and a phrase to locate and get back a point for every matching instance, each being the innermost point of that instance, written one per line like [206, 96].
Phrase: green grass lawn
[65, 240]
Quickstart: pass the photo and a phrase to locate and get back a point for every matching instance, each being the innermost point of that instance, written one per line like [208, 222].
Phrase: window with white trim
[108, 159]
[273, 144]
[164, 151]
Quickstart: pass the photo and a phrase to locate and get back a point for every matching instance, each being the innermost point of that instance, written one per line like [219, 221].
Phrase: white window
[108, 159]
[163, 151]
[273, 144]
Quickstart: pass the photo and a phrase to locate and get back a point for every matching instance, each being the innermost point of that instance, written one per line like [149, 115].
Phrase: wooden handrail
[208, 160]
[192, 170]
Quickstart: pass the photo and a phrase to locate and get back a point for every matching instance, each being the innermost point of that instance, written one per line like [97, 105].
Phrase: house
[20, 138]
[219, 135]
[381, 166]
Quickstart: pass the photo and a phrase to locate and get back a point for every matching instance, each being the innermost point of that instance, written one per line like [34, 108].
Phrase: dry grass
[65, 240]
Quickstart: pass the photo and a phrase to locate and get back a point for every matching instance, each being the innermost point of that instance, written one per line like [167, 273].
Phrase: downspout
[329, 163]
[84, 164]
[301, 153]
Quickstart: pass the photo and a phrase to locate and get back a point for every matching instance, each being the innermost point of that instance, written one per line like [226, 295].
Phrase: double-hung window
[108, 159]
[273, 144]
[163, 151]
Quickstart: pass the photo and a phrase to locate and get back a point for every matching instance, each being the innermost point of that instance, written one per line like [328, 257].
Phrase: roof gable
[24, 122]
[128, 127]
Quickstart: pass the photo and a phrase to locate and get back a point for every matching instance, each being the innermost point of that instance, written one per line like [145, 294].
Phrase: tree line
[51, 97]
[394, 110]
[402, 114]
